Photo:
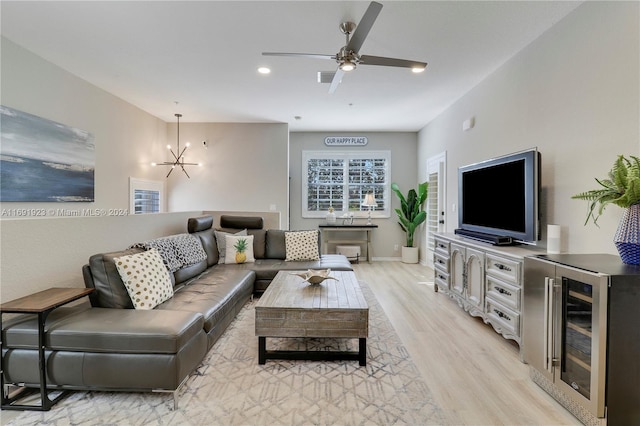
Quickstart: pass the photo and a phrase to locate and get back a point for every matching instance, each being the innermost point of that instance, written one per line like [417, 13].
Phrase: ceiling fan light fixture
[348, 57]
[347, 66]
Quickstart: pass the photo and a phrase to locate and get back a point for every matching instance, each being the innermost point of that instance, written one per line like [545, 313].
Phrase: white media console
[484, 279]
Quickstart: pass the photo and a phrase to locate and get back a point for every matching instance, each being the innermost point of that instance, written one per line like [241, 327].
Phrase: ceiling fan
[349, 57]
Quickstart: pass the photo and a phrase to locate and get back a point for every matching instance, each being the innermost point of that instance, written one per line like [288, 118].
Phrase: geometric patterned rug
[231, 388]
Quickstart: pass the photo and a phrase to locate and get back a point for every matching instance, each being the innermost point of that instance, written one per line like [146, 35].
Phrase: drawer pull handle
[440, 261]
[502, 267]
[503, 291]
[502, 314]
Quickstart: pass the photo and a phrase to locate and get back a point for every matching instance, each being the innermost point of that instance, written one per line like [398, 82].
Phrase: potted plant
[622, 188]
[411, 215]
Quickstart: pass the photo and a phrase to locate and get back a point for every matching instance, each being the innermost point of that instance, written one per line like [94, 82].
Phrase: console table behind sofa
[364, 230]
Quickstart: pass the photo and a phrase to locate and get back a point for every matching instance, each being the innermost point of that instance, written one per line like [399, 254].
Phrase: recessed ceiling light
[264, 70]
[418, 70]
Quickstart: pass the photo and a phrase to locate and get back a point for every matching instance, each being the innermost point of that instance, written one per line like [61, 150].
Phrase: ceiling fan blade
[303, 55]
[364, 26]
[337, 79]
[390, 62]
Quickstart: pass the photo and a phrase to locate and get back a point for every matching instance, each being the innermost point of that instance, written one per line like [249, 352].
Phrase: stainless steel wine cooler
[581, 338]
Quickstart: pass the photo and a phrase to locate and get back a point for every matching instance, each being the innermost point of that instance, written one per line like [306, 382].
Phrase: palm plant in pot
[410, 216]
[622, 188]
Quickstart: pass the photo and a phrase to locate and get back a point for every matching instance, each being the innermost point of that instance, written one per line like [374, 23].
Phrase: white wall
[574, 93]
[37, 254]
[244, 168]
[126, 138]
[403, 146]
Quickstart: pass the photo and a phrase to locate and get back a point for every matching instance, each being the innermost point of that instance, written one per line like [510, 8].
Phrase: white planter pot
[410, 254]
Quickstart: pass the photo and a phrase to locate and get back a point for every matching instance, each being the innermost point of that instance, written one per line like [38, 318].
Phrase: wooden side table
[41, 303]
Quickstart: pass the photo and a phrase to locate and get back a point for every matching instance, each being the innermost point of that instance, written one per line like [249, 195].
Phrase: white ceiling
[204, 54]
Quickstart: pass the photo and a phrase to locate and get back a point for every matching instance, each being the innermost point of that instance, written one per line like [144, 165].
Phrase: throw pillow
[239, 249]
[301, 245]
[146, 278]
[222, 244]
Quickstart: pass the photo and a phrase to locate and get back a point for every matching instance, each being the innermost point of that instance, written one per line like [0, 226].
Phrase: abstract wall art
[41, 160]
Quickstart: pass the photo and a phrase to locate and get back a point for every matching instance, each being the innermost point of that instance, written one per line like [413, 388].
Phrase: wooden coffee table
[291, 307]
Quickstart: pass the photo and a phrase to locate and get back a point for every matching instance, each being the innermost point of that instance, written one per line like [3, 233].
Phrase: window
[342, 179]
[145, 196]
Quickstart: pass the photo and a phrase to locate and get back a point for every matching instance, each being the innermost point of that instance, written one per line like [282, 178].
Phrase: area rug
[231, 388]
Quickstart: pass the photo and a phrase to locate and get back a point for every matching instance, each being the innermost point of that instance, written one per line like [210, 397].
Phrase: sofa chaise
[109, 345]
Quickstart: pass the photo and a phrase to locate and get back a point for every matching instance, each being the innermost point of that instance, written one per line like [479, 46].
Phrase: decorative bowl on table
[316, 276]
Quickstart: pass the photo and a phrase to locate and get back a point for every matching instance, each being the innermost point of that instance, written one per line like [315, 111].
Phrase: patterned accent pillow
[239, 249]
[145, 278]
[301, 245]
[222, 244]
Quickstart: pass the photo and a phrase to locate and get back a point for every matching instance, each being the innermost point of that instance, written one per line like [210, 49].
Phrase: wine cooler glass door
[577, 319]
[583, 341]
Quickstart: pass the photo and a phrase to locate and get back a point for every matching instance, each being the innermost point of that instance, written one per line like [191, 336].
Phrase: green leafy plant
[622, 188]
[410, 214]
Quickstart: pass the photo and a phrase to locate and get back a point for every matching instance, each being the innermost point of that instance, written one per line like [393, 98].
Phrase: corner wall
[126, 138]
[39, 253]
[575, 94]
[245, 168]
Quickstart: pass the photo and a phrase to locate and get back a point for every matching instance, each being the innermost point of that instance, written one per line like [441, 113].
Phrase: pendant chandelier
[178, 155]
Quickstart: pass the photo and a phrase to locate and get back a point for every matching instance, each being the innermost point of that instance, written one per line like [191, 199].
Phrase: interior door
[435, 204]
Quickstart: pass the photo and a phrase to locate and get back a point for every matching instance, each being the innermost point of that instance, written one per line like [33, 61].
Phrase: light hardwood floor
[474, 373]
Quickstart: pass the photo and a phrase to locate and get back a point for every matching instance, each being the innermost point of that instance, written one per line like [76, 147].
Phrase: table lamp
[369, 201]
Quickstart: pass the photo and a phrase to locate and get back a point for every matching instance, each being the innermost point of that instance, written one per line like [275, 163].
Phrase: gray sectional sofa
[108, 345]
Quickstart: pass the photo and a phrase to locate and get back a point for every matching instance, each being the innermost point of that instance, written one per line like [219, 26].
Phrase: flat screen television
[498, 199]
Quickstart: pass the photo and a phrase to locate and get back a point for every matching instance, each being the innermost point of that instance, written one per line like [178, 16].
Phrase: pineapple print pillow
[239, 249]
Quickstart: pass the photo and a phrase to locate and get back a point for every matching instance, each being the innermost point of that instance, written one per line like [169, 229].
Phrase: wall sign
[345, 140]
